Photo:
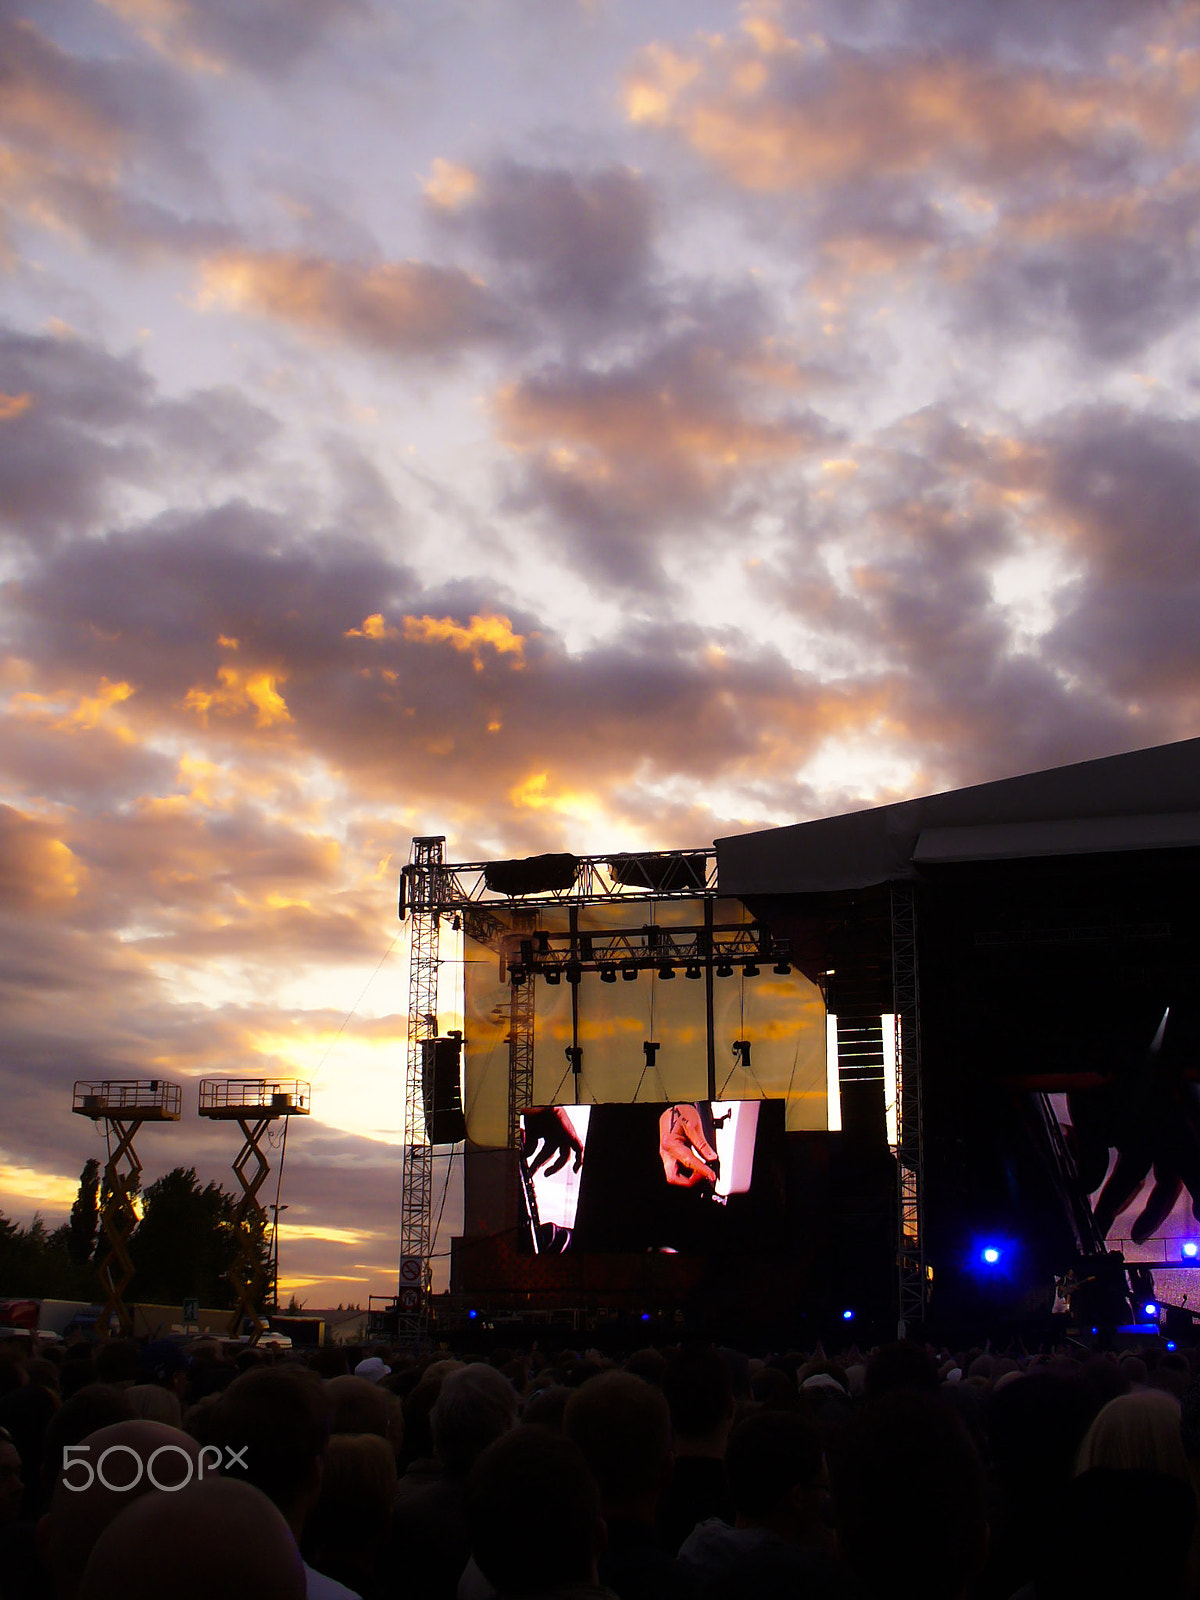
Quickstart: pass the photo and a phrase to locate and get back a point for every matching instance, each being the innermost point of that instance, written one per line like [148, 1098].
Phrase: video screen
[687, 1177]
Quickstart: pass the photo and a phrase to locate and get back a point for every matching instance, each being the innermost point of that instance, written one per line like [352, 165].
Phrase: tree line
[184, 1244]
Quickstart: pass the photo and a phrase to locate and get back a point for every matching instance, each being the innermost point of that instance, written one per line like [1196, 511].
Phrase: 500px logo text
[210, 1458]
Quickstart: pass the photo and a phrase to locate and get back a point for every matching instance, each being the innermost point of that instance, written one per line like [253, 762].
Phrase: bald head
[221, 1536]
[111, 1468]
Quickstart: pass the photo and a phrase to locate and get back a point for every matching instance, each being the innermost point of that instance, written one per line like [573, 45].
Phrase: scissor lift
[253, 1103]
[123, 1105]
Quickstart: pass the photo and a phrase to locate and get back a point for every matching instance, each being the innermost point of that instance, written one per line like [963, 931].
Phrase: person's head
[360, 1406]
[533, 1514]
[906, 1476]
[1136, 1430]
[12, 1483]
[95, 1406]
[279, 1418]
[623, 1427]
[475, 1405]
[777, 1475]
[220, 1536]
[352, 1516]
[699, 1392]
[103, 1474]
[164, 1363]
[904, 1365]
[155, 1402]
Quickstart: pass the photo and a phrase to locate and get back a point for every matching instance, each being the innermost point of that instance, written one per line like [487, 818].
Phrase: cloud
[778, 113]
[95, 146]
[571, 242]
[619, 454]
[401, 308]
[81, 424]
[262, 36]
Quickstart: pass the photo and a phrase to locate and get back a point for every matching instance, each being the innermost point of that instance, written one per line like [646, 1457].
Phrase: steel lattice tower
[424, 891]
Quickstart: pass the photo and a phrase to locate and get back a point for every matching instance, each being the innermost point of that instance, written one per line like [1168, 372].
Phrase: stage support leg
[910, 1250]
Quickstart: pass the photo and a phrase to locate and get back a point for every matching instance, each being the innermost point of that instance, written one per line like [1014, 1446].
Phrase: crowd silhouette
[133, 1472]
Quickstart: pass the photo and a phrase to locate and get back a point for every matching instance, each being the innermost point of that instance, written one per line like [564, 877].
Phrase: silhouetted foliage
[186, 1242]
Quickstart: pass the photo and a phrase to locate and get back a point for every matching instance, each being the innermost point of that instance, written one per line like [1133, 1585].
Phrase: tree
[85, 1214]
[187, 1241]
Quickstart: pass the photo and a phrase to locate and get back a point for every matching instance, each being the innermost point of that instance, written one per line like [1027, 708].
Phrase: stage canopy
[1145, 800]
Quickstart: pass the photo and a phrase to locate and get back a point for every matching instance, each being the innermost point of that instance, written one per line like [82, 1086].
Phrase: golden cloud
[239, 691]
[493, 631]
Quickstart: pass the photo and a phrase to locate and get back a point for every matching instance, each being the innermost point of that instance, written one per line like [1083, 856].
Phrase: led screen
[681, 1176]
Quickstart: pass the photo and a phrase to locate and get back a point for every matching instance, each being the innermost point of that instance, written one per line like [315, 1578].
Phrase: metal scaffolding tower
[424, 893]
[521, 1017]
[123, 1105]
[910, 1254]
[253, 1103]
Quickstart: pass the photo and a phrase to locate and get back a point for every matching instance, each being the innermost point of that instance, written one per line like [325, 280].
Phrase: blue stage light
[989, 1255]
[645, 1316]
[472, 1315]
[1170, 1344]
[1190, 1249]
[1150, 1308]
[847, 1316]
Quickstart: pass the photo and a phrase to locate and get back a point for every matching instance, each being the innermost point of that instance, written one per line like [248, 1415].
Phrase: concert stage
[978, 1012]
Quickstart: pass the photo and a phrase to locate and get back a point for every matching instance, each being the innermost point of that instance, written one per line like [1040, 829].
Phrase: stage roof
[1144, 800]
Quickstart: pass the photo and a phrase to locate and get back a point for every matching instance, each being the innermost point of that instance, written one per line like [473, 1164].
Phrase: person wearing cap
[374, 1368]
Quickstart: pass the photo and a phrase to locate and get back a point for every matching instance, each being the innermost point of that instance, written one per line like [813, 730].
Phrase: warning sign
[412, 1270]
[410, 1299]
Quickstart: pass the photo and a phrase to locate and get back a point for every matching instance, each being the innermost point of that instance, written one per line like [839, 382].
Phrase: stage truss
[471, 896]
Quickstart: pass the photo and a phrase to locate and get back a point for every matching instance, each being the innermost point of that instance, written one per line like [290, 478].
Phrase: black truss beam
[648, 947]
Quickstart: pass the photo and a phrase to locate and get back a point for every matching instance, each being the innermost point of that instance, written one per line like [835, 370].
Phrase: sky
[554, 424]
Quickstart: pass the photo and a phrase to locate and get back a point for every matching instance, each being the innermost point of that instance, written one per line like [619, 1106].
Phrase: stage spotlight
[543, 944]
[586, 949]
[990, 1255]
[629, 971]
[1151, 1308]
[645, 1316]
[1171, 1344]
[574, 972]
[750, 970]
[724, 970]
[553, 975]
[608, 974]
[666, 971]
[741, 1049]
[847, 1316]
[692, 972]
[1191, 1249]
[472, 1313]
[516, 976]
[782, 968]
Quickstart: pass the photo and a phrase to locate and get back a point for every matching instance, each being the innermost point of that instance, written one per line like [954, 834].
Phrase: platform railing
[125, 1098]
[277, 1097]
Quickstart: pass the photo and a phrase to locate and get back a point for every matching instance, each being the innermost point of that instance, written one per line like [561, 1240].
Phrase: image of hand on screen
[548, 1134]
[683, 1148]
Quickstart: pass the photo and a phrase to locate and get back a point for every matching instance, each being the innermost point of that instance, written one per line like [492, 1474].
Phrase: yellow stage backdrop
[783, 1017]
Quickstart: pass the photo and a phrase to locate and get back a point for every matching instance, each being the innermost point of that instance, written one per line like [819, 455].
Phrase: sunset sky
[556, 424]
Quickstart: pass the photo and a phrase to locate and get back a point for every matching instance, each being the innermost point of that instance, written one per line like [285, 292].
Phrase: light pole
[275, 1210]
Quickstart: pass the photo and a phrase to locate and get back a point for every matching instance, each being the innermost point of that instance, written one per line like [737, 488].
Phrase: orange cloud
[239, 691]
[402, 305]
[779, 113]
[14, 405]
[496, 632]
[373, 627]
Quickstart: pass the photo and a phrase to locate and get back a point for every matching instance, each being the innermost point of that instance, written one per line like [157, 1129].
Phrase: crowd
[134, 1472]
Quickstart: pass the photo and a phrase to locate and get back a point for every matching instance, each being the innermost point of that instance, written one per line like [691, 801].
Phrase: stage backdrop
[783, 1017]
